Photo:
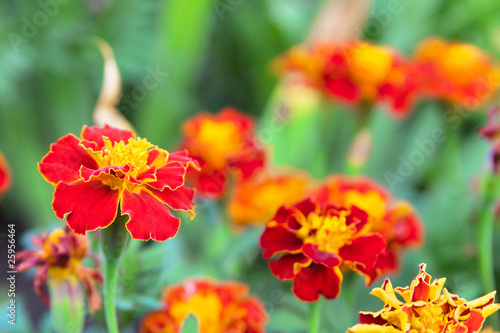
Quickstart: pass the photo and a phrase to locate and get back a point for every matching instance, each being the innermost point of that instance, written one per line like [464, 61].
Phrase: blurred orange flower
[219, 308]
[225, 145]
[395, 220]
[59, 259]
[257, 199]
[427, 307]
[108, 172]
[356, 72]
[5, 175]
[314, 243]
[458, 72]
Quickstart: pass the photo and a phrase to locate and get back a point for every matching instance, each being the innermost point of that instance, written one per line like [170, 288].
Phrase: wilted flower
[108, 172]
[492, 133]
[59, 260]
[5, 175]
[257, 199]
[314, 243]
[427, 307]
[356, 72]
[395, 220]
[458, 72]
[225, 145]
[222, 307]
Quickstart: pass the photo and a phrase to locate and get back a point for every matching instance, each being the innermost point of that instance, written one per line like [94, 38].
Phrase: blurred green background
[207, 54]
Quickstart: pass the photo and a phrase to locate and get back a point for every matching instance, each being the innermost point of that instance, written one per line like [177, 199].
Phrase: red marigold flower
[109, 171]
[395, 220]
[225, 145]
[314, 243]
[427, 307]
[355, 72]
[219, 308]
[59, 259]
[458, 72]
[5, 175]
[257, 199]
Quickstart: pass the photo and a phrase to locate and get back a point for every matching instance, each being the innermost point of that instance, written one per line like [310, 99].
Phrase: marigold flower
[225, 145]
[257, 199]
[5, 175]
[395, 220]
[59, 259]
[109, 171]
[355, 72]
[315, 243]
[458, 72]
[427, 307]
[219, 308]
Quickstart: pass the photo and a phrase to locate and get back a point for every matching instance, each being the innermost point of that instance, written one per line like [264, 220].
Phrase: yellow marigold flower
[427, 307]
[256, 200]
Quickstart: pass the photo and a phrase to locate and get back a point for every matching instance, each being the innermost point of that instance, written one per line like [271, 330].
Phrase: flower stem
[486, 226]
[114, 242]
[315, 316]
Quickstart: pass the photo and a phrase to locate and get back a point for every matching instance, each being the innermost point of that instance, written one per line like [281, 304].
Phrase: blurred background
[179, 57]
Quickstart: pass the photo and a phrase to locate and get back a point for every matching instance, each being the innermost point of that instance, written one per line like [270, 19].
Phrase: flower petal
[314, 280]
[149, 218]
[180, 199]
[278, 239]
[364, 250]
[92, 136]
[328, 259]
[64, 160]
[89, 205]
[284, 267]
[170, 176]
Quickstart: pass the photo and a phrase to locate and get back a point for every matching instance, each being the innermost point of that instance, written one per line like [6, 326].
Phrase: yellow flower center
[134, 153]
[217, 141]
[328, 233]
[463, 63]
[428, 319]
[371, 202]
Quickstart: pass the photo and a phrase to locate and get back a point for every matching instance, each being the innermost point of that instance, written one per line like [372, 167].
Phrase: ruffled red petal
[325, 258]
[283, 268]
[170, 176]
[278, 239]
[364, 250]
[64, 160]
[93, 136]
[149, 218]
[181, 198]
[89, 205]
[314, 280]
[212, 185]
[87, 173]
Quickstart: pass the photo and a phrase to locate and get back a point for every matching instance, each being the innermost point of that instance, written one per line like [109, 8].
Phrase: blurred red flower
[5, 175]
[222, 307]
[458, 72]
[59, 259]
[356, 72]
[108, 172]
[427, 307]
[257, 199]
[395, 220]
[314, 243]
[225, 145]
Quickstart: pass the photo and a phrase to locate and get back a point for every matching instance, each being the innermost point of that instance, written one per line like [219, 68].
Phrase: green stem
[315, 316]
[114, 242]
[486, 227]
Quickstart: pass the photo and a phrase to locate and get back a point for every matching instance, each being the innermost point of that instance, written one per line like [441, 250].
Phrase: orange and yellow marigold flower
[225, 145]
[395, 220]
[458, 72]
[224, 307]
[257, 199]
[315, 242]
[355, 72]
[5, 175]
[425, 307]
[109, 171]
[59, 259]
